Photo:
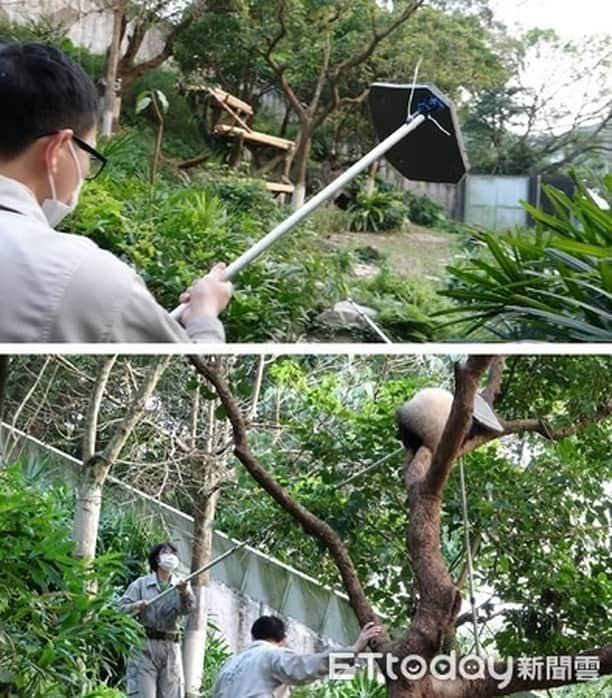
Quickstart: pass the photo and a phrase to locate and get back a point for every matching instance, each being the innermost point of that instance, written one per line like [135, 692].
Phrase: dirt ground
[416, 252]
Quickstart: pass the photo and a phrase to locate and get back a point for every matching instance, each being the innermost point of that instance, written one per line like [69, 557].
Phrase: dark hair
[156, 550]
[41, 90]
[269, 628]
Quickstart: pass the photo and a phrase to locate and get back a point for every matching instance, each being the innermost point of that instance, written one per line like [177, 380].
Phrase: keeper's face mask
[55, 210]
[168, 561]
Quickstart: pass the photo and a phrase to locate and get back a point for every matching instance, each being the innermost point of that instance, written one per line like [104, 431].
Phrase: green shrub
[404, 305]
[424, 211]
[551, 284]
[217, 653]
[330, 219]
[182, 136]
[358, 687]
[376, 212]
[56, 639]
[174, 233]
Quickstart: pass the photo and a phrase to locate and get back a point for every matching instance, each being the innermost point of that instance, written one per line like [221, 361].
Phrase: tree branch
[377, 37]
[458, 425]
[101, 464]
[494, 385]
[93, 409]
[539, 426]
[310, 523]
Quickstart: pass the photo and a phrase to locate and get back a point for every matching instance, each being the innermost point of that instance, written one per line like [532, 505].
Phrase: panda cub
[422, 419]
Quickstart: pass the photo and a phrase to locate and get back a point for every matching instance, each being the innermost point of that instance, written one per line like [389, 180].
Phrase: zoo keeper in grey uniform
[157, 670]
[54, 286]
[267, 665]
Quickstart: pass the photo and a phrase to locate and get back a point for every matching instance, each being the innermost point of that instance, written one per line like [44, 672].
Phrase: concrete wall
[88, 23]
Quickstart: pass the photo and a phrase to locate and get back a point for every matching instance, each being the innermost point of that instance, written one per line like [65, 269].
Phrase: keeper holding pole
[57, 287]
[157, 670]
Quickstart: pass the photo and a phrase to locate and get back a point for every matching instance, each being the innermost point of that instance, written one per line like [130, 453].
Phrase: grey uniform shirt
[263, 668]
[164, 614]
[57, 287]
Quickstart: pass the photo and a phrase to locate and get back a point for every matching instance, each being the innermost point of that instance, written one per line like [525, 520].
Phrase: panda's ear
[484, 415]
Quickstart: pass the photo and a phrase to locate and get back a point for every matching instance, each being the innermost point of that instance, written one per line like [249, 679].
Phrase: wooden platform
[279, 187]
[254, 136]
[224, 97]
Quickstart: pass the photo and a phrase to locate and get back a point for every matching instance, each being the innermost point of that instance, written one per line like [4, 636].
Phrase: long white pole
[320, 198]
[204, 568]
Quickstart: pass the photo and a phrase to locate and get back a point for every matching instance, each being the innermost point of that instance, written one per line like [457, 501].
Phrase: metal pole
[468, 552]
[370, 322]
[324, 195]
[204, 568]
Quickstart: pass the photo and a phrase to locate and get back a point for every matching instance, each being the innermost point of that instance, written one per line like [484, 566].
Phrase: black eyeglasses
[97, 161]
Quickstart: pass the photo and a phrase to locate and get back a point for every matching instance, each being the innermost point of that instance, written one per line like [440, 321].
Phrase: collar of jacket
[16, 195]
[152, 581]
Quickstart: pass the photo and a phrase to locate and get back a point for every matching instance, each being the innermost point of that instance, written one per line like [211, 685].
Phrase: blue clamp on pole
[429, 105]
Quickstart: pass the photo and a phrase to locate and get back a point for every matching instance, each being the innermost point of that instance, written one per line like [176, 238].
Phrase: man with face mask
[57, 287]
[157, 671]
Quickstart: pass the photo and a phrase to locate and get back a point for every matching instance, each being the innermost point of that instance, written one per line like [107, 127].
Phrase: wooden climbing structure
[230, 119]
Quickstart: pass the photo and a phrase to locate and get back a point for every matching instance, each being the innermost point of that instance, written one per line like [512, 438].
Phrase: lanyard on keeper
[10, 210]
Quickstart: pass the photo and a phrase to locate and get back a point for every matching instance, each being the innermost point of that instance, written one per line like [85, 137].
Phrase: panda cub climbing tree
[422, 419]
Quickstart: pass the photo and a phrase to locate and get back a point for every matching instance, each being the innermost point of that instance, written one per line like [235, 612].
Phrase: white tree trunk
[299, 196]
[194, 645]
[97, 467]
[87, 519]
[302, 156]
[110, 76]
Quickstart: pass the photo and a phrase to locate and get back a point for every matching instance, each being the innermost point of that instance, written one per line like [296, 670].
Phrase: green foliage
[552, 285]
[148, 97]
[217, 653]
[182, 137]
[426, 212]
[376, 212]
[174, 233]
[358, 687]
[330, 219]
[337, 418]
[125, 531]
[405, 305]
[56, 638]
[593, 689]
[501, 140]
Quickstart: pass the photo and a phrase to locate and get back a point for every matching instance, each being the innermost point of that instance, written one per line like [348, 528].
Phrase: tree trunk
[194, 646]
[87, 517]
[97, 467]
[110, 76]
[4, 371]
[300, 165]
[370, 184]
[411, 689]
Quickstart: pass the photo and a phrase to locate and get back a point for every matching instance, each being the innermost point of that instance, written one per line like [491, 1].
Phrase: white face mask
[55, 210]
[168, 561]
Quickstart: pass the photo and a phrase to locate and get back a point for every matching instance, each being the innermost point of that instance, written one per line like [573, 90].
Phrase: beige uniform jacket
[57, 287]
[263, 668]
